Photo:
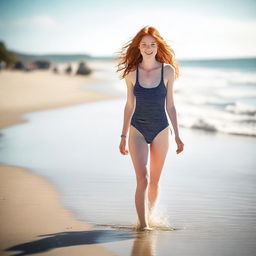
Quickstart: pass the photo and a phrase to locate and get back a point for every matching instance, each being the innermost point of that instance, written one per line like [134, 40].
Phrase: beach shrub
[7, 56]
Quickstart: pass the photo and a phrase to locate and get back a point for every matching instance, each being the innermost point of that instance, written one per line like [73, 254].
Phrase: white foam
[241, 108]
[159, 219]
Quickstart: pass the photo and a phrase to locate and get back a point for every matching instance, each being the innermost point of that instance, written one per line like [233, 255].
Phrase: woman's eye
[151, 45]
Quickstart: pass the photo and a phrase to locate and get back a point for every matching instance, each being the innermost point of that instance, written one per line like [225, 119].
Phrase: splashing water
[158, 220]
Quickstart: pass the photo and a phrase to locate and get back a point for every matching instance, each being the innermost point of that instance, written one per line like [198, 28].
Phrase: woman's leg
[138, 149]
[158, 151]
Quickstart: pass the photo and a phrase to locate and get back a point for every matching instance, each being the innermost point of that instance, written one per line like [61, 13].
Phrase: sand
[30, 205]
[22, 92]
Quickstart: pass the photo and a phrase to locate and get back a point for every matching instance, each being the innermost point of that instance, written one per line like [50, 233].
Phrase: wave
[242, 83]
[244, 127]
[241, 108]
[202, 124]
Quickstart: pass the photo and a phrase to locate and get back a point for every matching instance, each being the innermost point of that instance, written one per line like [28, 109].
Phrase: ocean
[216, 95]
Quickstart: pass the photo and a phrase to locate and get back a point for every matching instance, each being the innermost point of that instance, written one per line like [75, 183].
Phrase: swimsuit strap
[162, 72]
[137, 74]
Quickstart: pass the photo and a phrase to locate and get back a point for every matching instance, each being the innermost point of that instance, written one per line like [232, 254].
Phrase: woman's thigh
[138, 149]
[158, 151]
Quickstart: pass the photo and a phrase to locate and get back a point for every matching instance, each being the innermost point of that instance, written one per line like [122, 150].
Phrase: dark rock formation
[68, 70]
[42, 64]
[83, 69]
[19, 65]
[55, 70]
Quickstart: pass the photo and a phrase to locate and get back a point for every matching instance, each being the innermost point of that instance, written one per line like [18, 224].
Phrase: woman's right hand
[122, 146]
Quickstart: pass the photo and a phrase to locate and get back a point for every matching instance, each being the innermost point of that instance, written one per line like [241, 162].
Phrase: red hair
[129, 56]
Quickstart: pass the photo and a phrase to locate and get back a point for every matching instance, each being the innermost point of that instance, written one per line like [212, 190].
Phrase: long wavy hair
[129, 56]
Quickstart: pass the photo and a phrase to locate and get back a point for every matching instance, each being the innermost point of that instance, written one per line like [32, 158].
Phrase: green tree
[8, 57]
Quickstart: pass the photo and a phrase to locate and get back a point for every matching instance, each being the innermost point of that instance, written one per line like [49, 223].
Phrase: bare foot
[145, 228]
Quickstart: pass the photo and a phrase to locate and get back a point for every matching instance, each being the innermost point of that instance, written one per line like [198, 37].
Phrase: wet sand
[30, 207]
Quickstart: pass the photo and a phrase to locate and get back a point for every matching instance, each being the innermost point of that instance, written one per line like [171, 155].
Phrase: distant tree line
[7, 56]
[27, 62]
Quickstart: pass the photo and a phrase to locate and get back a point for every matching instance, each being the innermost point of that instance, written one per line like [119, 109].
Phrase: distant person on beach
[149, 71]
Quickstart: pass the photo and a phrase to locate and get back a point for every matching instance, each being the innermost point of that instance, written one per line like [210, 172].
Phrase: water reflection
[144, 243]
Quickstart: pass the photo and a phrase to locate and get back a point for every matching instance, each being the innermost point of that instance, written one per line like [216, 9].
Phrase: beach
[23, 92]
[66, 189]
[30, 205]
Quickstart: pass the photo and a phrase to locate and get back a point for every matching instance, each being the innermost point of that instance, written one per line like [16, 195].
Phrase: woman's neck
[149, 64]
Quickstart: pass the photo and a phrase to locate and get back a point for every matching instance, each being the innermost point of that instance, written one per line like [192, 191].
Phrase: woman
[144, 114]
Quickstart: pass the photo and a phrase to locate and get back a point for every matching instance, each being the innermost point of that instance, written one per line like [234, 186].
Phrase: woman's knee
[143, 180]
[154, 184]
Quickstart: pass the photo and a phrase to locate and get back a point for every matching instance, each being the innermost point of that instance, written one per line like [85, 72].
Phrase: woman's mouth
[149, 53]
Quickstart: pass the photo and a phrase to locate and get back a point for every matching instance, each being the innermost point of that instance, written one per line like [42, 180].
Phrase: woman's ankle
[145, 228]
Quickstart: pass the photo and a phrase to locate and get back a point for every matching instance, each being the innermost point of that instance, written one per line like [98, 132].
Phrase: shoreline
[32, 196]
[21, 103]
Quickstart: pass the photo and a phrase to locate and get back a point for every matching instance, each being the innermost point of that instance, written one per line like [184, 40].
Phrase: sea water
[213, 95]
[207, 193]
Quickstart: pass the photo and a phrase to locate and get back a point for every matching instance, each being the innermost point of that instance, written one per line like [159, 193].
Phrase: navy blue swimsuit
[149, 117]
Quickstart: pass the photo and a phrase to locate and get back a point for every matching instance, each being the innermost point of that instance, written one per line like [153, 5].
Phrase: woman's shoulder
[131, 76]
[168, 68]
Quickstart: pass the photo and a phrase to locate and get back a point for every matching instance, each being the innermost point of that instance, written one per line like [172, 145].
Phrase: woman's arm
[129, 106]
[171, 110]
[128, 111]
[170, 107]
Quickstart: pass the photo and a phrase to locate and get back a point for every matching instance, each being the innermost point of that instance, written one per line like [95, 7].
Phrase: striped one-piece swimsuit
[149, 116]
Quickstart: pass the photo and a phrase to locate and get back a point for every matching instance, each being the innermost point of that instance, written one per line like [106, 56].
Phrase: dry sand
[29, 203]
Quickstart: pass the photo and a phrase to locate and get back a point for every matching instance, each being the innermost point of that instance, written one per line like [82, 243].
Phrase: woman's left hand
[180, 145]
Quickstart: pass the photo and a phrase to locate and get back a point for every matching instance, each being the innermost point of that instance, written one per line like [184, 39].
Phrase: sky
[193, 28]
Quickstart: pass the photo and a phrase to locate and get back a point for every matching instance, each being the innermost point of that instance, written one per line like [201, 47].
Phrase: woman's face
[148, 47]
